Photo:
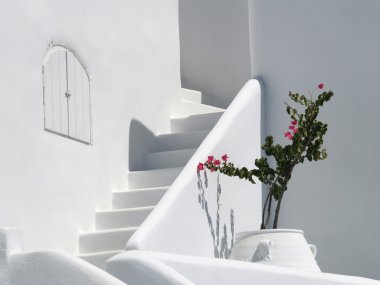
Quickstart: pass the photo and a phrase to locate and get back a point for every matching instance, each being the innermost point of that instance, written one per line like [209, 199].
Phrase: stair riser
[190, 108]
[120, 219]
[141, 198]
[108, 241]
[193, 123]
[181, 140]
[191, 95]
[160, 160]
[99, 259]
[152, 178]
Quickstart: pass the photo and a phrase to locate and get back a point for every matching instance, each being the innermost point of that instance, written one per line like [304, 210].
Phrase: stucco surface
[215, 48]
[298, 44]
[50, 186]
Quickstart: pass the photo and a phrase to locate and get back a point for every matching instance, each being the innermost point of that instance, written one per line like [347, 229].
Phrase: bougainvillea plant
[306, 142]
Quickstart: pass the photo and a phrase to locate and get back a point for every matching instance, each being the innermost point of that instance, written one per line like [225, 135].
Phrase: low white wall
[55, 268]
[205, 271]
[138, 268]
[179, 224]
[297, 44]
[45, 267]
[50, 186]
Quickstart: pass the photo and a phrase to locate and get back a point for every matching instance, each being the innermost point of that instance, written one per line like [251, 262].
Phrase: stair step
[168, 159]
[122, 218]
[177, 141]
[191, 95]
[153, 178]
[195, 122]
[99, 258]
[189, 108]
[138, 197]
[105, 240]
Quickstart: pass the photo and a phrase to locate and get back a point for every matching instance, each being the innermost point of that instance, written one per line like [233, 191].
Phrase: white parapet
[56, 268]
[161, 267]
[11, 241]
[45, 267]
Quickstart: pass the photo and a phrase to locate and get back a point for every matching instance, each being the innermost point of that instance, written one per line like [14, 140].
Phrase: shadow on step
[141, 141]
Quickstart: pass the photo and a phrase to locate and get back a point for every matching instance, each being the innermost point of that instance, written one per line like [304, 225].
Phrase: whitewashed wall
[50, 186]
[297, 44]
[215, 55]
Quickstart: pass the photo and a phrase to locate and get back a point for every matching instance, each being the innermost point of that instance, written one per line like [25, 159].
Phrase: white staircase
[130, 208]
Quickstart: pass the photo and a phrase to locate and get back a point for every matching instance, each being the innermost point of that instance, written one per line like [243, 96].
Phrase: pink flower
[210, 158]
[321, 85]
[212, 169]
[217, 162]
[294, 122]
[287, 134]
[200, 166]
[290, 137]
[291, 127]
[295, 131]
[225, 157]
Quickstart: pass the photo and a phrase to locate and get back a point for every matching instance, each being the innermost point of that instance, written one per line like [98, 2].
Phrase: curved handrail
[179, 224]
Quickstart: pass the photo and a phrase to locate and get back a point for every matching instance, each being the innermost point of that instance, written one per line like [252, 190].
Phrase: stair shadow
[141, 141]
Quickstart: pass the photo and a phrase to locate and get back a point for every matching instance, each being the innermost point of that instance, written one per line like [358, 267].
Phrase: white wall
[297, 44]
[215, 55]
[50, 186]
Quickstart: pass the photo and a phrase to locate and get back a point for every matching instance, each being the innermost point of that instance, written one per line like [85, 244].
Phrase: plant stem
[269, 209]
[262, 227]
[269, 197]
[275, 222]
[287, 178]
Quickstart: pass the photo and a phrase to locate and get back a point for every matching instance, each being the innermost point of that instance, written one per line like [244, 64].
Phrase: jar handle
[262, 252]
[313, 249]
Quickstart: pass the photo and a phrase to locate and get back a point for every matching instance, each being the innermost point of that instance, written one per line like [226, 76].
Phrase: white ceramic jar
[280, 247]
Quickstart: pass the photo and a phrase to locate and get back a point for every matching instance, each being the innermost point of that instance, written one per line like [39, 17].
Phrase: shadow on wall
[215, 48]
[141, 141]
[222, 246]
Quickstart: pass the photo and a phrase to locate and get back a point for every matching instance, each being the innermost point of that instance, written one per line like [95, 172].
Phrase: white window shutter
[67, 102]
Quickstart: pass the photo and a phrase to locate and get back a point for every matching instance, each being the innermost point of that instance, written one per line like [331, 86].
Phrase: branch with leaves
[306, 135]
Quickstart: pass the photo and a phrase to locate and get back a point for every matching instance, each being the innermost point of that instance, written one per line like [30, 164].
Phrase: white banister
[179, 224]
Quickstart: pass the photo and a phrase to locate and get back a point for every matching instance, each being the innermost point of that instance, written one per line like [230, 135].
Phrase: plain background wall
[215, 54]
[298, 44]
[50, 186]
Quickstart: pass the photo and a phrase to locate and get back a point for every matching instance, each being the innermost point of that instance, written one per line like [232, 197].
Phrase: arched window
[66, 91]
